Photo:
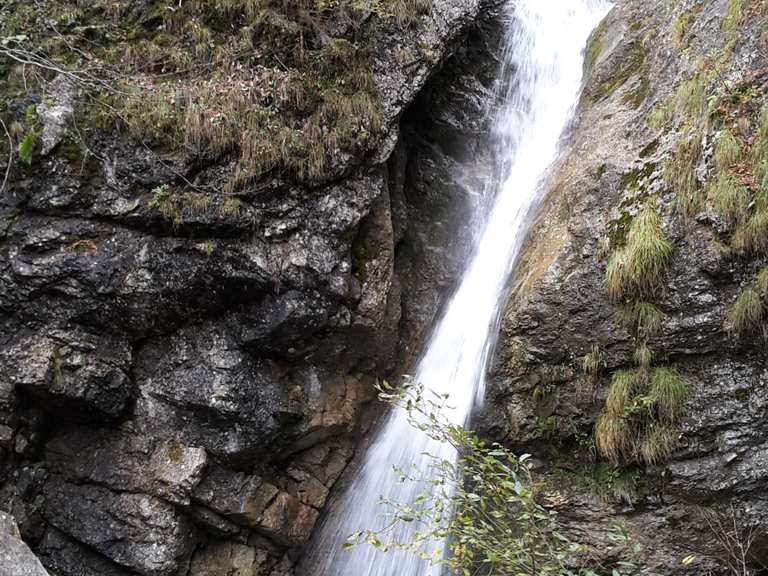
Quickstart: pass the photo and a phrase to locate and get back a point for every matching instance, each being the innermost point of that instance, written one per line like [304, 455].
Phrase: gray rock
[228, 559]
[128, 462]
[16, 559]
[55, 112]
[67, 557]
[237, 496]
[137, 531]
[73, 369]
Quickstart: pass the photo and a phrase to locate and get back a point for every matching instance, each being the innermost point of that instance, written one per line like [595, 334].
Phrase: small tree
[482, 504]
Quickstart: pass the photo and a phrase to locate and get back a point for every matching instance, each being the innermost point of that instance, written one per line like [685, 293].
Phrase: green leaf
[27, 147]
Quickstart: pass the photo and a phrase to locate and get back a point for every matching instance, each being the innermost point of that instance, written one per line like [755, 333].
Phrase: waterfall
[541, 82]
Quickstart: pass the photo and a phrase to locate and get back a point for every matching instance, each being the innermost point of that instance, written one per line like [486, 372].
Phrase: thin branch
[10, 156]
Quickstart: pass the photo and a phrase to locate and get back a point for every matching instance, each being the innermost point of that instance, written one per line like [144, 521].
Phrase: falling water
[543, 61]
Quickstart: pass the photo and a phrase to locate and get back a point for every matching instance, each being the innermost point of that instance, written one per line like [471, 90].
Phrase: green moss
[633, 65]
[359, 262]
[734, 15]
[650, 149]
[594, 47]
[660, 115]
[684, 22]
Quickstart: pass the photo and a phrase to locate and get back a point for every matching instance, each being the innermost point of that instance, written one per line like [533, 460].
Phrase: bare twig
[10, 156]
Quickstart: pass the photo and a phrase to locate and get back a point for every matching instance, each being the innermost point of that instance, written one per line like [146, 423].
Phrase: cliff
[222, 223]
[631, 359]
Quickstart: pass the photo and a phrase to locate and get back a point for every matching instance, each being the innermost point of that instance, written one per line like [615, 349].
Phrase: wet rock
[136, 531]
[237, 496]
[67, 557]
[84, 373]
[287, 520]
[16, 559]
[128, 462]
[228, 559]
[201, 387]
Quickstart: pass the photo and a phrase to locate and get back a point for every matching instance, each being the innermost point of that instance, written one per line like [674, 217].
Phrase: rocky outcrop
[564, 337]
[183, 378]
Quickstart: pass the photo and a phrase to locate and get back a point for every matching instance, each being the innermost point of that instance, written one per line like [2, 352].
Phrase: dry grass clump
[684, 22]
[691, 96]
[592, 363]
[669, 392]
[636, 269]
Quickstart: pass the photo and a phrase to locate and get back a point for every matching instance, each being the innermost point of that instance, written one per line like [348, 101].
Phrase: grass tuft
[734, 15]
[637, 268]
[728, 150]
[680, 174]
[669, 391]
[613, 436]
[643, 356]
[642, 318]
[691, 96]
[658, 443]
[748, 311]
[623, 385]
[729, 198]
[593, 363]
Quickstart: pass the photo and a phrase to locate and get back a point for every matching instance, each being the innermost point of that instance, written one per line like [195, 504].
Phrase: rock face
[15, 556]
[179, 393]
[626, 147]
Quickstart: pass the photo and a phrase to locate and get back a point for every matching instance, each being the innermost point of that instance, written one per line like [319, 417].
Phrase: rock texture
[541, 400]
[180, 393]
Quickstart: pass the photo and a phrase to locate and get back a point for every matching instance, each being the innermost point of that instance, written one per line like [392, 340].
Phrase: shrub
[637, 268]
[483, 505]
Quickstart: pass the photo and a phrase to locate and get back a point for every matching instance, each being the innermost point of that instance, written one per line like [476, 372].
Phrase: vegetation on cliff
[283, 88]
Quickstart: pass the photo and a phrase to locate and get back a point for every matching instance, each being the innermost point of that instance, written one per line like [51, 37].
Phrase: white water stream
[543, 61]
